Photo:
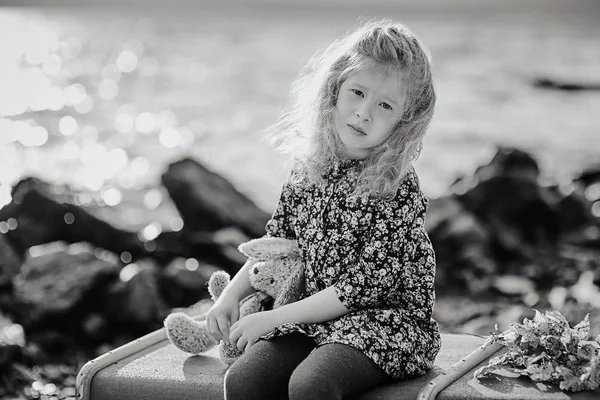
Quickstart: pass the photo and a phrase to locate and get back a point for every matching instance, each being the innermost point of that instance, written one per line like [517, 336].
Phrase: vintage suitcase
[150, 368]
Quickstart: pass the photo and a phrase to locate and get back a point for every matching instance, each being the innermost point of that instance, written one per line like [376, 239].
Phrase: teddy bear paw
[187, 334]
[228, 353]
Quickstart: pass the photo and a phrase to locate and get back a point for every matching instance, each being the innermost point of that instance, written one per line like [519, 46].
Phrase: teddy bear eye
[256, 270]
[272, 280]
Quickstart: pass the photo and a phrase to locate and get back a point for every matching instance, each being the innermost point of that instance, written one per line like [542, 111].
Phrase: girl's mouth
[356, 129]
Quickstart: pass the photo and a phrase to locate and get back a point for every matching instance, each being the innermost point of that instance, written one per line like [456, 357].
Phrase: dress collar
[343, 166]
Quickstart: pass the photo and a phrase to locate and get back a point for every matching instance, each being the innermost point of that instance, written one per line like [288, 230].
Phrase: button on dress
[378, 257]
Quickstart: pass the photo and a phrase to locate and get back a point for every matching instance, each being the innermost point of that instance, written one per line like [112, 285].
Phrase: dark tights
[286, 367]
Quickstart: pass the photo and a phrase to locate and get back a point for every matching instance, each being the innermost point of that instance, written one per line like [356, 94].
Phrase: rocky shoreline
[73, 286]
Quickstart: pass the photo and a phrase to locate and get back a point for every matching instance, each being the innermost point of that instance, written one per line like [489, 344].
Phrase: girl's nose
[364, 113]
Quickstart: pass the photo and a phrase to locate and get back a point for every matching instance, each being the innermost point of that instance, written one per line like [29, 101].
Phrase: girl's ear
[267, 248]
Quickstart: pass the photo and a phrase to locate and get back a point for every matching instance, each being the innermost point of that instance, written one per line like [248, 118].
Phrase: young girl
[354, 205]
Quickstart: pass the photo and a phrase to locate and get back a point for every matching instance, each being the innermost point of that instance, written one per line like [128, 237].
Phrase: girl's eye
[357, 92]
[386, 106]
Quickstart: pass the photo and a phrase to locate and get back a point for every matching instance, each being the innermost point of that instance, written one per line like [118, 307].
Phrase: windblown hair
[306, 129]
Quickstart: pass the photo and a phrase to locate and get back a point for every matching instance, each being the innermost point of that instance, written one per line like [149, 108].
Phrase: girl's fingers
[234, 335]
[213, 329]
[248, 345]
[223, 324]
[241, 343]
[235, 325]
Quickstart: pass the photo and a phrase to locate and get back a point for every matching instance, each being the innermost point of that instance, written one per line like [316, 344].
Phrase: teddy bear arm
[292, 290]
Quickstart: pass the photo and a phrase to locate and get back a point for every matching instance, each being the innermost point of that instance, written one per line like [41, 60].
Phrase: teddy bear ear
[266, 248]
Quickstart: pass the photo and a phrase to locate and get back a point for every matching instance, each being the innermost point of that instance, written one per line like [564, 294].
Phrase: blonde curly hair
[306, 128]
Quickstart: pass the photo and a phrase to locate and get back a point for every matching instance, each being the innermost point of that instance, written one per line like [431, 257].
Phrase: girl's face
[368, 106]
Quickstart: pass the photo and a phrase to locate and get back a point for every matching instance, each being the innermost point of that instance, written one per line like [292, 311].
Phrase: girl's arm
[226, 311]
[320, 307]
[239, 287]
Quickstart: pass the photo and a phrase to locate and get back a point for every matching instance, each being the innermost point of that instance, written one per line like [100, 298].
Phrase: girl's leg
[264, 371]
[333, 371]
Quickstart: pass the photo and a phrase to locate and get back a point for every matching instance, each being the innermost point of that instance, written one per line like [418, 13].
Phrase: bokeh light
[176, 224]
[74, 94]
[596, 209]
[152, 199]
[192, 264]
[127, 61]
[69, 218]
[85, 106]
[112, 196]
[140, 166]
[170, 137]
[111, 72]
[34, 136]
[67, 125]
[108, 89]
[592, 192]
[126, 257]
[128, 272]
[145, 122]
[151, 231]
[124, 122]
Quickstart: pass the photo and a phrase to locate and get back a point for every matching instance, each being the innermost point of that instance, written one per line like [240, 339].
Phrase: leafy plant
[547, 349]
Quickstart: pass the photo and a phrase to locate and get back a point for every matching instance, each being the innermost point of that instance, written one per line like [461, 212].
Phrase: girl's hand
[247, 330]
[219, 318]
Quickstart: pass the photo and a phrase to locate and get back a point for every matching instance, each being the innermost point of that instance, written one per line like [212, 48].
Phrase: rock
[10, 262]
[133, 302]
[43, 216]
[96, 327]
[53, 287]
[507, 161]
[184, 281]
[564, 85]
[513, 285]
[207, 247]
[9, 353]
[574, 212]
[462, 247]
[208, 202]
[519, 213]
[505, 196]
[589, 176]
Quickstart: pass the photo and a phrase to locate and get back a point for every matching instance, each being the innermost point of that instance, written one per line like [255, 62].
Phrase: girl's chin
[353, 154]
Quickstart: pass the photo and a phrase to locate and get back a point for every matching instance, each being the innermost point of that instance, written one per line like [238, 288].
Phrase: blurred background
[97, 99]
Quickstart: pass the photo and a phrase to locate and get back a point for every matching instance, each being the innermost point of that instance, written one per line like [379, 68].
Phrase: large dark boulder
[184, 281]
[57, 287]
[208, 202]
[216, 248]
[462, 246]
[44, 216]
[519, 212]
[506, 197]
[133, 302]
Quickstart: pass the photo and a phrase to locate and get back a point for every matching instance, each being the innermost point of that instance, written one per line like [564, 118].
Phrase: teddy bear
[275, 271]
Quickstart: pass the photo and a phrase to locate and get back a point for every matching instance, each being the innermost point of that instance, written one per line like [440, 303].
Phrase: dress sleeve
[388, 252]
[283, 220]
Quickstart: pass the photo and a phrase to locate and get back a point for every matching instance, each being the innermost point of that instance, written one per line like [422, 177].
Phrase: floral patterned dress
[377, 256]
